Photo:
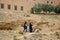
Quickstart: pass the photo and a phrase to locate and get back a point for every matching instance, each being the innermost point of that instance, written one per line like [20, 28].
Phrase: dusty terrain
[45, 27]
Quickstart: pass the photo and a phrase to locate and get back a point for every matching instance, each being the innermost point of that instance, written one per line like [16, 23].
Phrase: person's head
[25, 22]
[30, 22]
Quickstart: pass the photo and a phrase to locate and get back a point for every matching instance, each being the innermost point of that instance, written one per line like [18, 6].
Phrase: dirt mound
[8, 20]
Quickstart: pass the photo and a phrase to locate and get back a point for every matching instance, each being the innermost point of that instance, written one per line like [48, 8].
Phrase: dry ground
[45, 27]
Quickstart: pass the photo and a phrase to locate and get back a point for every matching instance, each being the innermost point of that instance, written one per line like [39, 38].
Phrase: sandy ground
[45, 27]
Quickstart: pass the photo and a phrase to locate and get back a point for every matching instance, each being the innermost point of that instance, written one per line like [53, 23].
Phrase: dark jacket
[25, 26]
[30, 27]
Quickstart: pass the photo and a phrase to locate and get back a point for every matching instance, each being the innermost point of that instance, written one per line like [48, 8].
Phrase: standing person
[25, 27]
[30, 27]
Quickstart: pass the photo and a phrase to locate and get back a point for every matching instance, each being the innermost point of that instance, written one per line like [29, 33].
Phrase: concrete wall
[27, 4]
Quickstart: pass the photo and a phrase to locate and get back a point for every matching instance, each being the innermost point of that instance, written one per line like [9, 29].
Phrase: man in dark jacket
[25, 27]
[30, 27]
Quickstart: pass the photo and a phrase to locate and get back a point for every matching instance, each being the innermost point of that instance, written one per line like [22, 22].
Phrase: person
[25, 27]
[30, 27]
